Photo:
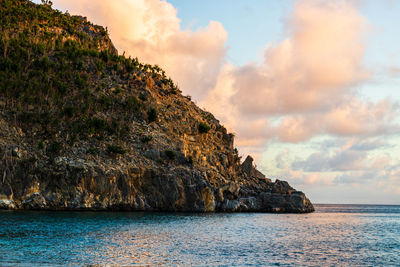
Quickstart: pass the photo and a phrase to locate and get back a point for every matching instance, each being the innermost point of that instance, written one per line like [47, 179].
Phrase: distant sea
[334, 235]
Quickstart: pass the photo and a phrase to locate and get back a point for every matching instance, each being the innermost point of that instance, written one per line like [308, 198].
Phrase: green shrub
[41, 145]
[69, 111]
[93, 150]
[118, 90]
[204, 128]
[27, 117]
[60, 86]
[132, 104]
[55, 147]
[171, 155]
[143, 97]
[80, 81]
[100, 66]
[45, 64]
[115, 149]
[105, 56]
[152, 114]
[105, 101]
[98, 124]
[146, 139]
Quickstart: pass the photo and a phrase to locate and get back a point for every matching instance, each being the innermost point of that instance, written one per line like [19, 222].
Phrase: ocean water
[344, 235]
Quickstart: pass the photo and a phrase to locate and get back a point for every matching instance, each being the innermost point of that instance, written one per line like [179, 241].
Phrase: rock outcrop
[82, 128]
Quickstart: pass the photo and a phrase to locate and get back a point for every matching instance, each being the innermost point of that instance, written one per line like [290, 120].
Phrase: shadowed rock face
[78, 185]
[82, 128]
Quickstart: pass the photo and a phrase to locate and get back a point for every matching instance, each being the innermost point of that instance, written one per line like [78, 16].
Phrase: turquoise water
[333, 235]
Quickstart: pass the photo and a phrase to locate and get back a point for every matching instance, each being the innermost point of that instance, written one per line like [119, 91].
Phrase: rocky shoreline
[79, 186]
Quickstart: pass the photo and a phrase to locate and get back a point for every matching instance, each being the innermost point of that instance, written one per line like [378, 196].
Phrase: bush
[132, 104]
[146, 139]
[118, 90]
[100, 66]
[41, 145]
[81, 82]
[61, 86]
[171, 155]
[152, 114]
[45, 64]
[115, 149]
[55, 147]
[69, 111]
[93, 150]
[105, 101]
[143, 97]
[98, 124]
[204, 128]
[105, 56]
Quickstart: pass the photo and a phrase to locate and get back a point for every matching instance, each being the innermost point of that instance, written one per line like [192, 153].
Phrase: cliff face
[82, 128]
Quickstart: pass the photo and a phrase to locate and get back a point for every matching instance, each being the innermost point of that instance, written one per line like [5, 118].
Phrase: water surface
[333, 235]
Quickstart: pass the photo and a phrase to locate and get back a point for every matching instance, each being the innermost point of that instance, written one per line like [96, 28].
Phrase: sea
[334, 235]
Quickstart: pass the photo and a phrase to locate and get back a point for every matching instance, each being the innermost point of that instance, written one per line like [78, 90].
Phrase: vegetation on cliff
[61, 72]
[82, 127]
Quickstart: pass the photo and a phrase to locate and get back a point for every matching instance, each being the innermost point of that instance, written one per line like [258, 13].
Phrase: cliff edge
[83, 128]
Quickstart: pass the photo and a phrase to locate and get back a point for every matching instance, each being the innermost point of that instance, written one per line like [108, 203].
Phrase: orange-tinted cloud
[305, 85]
[313, 68]
[351, 118]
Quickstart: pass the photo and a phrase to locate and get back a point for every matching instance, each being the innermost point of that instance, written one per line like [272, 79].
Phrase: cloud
[348, 160]
[310, 70]
[381, 177]
[343, 169]
[305, 86]
[353, 154]
[150, 30]
[368, 145]
[351, 118]
[393, 71]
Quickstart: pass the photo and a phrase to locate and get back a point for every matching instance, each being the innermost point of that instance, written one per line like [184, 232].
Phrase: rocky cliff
[83, 128]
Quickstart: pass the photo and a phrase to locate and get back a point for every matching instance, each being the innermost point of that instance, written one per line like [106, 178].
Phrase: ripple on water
[333, 235]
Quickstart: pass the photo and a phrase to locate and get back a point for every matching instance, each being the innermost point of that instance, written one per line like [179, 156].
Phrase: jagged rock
[111, 133]
[250, 170]
[7, 204]
[33, 201]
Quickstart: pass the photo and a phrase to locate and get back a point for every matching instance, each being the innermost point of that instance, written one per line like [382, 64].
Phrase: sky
[309, 87]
